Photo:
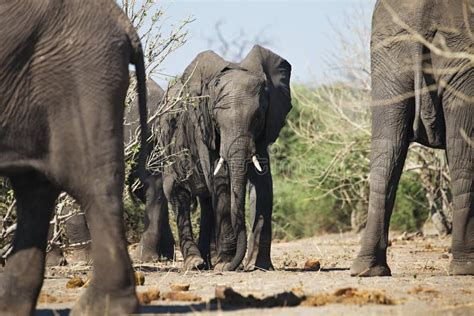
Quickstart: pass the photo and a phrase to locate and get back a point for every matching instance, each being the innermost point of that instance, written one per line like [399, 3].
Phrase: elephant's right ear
[202, 70]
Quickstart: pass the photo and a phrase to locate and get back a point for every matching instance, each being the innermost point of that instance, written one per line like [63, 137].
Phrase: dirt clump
[146, 297]
[180, 296]
[422, 290]
[46, 298]
[75, 282]
[139, 278]
[227, 296]
[312, 265]
[180, 287]
[351, 296]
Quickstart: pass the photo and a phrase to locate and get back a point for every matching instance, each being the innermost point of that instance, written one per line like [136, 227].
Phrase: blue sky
[300, 31]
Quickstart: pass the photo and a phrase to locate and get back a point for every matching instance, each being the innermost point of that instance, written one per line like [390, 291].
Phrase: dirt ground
[420, 283]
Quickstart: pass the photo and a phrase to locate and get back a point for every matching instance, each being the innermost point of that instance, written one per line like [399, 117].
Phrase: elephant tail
[138, 60]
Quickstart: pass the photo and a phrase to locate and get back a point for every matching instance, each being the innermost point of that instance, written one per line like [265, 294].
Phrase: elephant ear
[277, 71]
[202, 70]
[206, 66]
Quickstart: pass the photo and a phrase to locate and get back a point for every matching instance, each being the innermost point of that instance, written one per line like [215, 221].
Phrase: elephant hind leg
[388, 153]
[459, 122]
[112, 289]
[23, 276]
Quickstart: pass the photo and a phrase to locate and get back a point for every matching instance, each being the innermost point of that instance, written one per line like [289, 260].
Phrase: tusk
[219, 165]
[257, 164]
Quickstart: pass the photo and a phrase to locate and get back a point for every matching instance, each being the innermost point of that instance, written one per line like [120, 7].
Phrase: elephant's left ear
[277, 71]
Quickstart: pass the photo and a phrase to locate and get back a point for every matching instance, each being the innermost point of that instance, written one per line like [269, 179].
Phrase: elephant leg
[112, 288]
[157, 238]
[206, 229]
[79, 236]
[261, 205]
[181, 202]
[390, 124]
[22, 278]
[167, 242]
[54, 256]
[225, 238]
[460, 118]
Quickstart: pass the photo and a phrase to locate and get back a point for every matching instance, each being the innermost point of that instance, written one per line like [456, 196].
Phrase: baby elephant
[213, 140]
[63, 80]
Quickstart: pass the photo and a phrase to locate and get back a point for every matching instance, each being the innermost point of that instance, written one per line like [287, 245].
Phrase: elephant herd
[63, 80]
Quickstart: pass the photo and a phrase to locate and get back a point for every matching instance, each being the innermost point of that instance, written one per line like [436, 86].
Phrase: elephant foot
[97, 302]
[144, 254]
[15, 300]
[81, 255]
[265, 265]
[16, 309]
[461, 267]
[12, 306]
[223, 265]
[167, 254]
[362, 267]
[194, 262]
[55, 257]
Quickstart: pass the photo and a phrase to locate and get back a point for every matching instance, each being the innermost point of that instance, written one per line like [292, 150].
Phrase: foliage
[321, 166]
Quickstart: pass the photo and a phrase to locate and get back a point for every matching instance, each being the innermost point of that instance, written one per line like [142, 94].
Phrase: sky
[303, 32]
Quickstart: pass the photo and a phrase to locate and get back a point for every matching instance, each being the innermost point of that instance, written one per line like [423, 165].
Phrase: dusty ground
[420, 283]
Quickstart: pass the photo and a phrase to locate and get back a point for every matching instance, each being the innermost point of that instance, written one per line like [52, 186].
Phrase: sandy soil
[420, 283]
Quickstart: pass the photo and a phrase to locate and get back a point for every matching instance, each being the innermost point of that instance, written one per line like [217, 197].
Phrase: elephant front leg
[388, 153]
[460, 130]
[224, 240]
[261, 205]
[181, 202]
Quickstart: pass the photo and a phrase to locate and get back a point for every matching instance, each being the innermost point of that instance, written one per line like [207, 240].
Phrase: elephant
[422, 91]
[63, 81]
[76, 228]
[214, 140]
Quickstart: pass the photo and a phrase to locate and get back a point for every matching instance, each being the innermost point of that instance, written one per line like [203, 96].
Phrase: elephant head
[243, 106]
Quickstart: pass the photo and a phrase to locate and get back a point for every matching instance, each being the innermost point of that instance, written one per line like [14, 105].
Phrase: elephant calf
[422, 91]
[224, 115]
[63, 81]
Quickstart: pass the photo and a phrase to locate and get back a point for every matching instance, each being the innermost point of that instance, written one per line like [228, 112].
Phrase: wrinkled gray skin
[63, 80]
[237, 112]
[402, 113]
[157, 240]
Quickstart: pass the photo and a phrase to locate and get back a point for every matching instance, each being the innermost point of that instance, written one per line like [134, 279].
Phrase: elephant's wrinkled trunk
[238, 181]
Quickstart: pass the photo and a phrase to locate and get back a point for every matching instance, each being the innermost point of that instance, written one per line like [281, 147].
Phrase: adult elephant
[422, 91]
[224, 115]
[63, 81]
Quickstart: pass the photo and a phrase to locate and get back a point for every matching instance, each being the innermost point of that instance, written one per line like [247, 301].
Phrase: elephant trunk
[238, 182]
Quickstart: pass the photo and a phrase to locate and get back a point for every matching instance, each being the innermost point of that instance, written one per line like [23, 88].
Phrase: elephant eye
[258, 121]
